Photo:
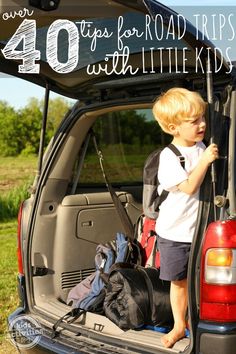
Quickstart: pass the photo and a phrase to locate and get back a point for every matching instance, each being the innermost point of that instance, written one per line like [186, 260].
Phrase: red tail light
[19, 248]
[218, 273]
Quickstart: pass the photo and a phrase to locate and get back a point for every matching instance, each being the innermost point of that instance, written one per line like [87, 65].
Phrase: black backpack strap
[174, 149]
[162, 197]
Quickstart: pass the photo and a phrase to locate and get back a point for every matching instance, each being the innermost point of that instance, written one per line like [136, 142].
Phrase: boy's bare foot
[169, 339]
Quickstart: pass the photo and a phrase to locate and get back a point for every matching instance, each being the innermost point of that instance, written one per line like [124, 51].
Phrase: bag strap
[124, 217]
[174, 149]
[74, 314]
[149, 291]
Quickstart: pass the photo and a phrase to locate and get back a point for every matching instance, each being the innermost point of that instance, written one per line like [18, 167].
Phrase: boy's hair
[177, 104]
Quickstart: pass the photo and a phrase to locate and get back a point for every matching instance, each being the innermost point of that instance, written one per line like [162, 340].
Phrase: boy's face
[190, 131]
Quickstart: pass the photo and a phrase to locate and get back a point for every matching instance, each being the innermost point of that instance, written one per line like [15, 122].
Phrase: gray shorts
[173, 259]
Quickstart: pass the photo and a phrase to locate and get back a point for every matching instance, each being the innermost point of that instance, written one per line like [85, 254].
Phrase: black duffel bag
[136, 296]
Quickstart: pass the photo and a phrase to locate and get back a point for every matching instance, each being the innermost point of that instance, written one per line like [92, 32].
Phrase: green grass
[16, 177]
[8, 275]
[10, 202]
[16, 171]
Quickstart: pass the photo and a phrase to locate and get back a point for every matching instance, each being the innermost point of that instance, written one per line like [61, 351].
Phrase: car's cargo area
[81, 222]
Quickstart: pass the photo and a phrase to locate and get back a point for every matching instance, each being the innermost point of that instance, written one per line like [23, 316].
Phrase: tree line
[20, 129]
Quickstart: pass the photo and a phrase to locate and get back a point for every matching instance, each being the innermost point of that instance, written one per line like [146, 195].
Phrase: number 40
[26, 33]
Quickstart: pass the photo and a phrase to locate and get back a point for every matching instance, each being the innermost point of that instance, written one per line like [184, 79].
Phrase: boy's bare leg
[179, 302]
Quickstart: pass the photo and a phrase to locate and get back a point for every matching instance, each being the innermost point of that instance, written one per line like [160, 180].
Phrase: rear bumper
[43, 344]
[212, 338]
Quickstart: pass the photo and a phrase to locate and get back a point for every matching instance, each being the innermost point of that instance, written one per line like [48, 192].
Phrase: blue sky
[17, 92]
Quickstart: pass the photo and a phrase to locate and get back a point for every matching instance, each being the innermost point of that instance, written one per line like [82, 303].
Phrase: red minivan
[115, 57]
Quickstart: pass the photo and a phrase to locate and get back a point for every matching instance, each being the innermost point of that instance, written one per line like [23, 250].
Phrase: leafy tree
[57, 109]
[129, 127]
[20, 130]
[30, 128]
[8, 143]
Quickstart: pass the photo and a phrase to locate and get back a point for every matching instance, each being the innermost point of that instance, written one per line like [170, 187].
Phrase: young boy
[180, 112]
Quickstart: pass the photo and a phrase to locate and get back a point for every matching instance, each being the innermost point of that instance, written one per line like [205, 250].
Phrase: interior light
[46, 5]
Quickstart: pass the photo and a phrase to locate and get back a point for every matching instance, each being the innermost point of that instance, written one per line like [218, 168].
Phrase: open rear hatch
[80, 50]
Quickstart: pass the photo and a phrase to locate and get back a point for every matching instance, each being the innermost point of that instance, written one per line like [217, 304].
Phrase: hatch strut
[43, 131]
[209, 82]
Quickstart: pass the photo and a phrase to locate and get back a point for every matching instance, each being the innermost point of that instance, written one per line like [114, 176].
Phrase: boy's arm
[195, 178]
